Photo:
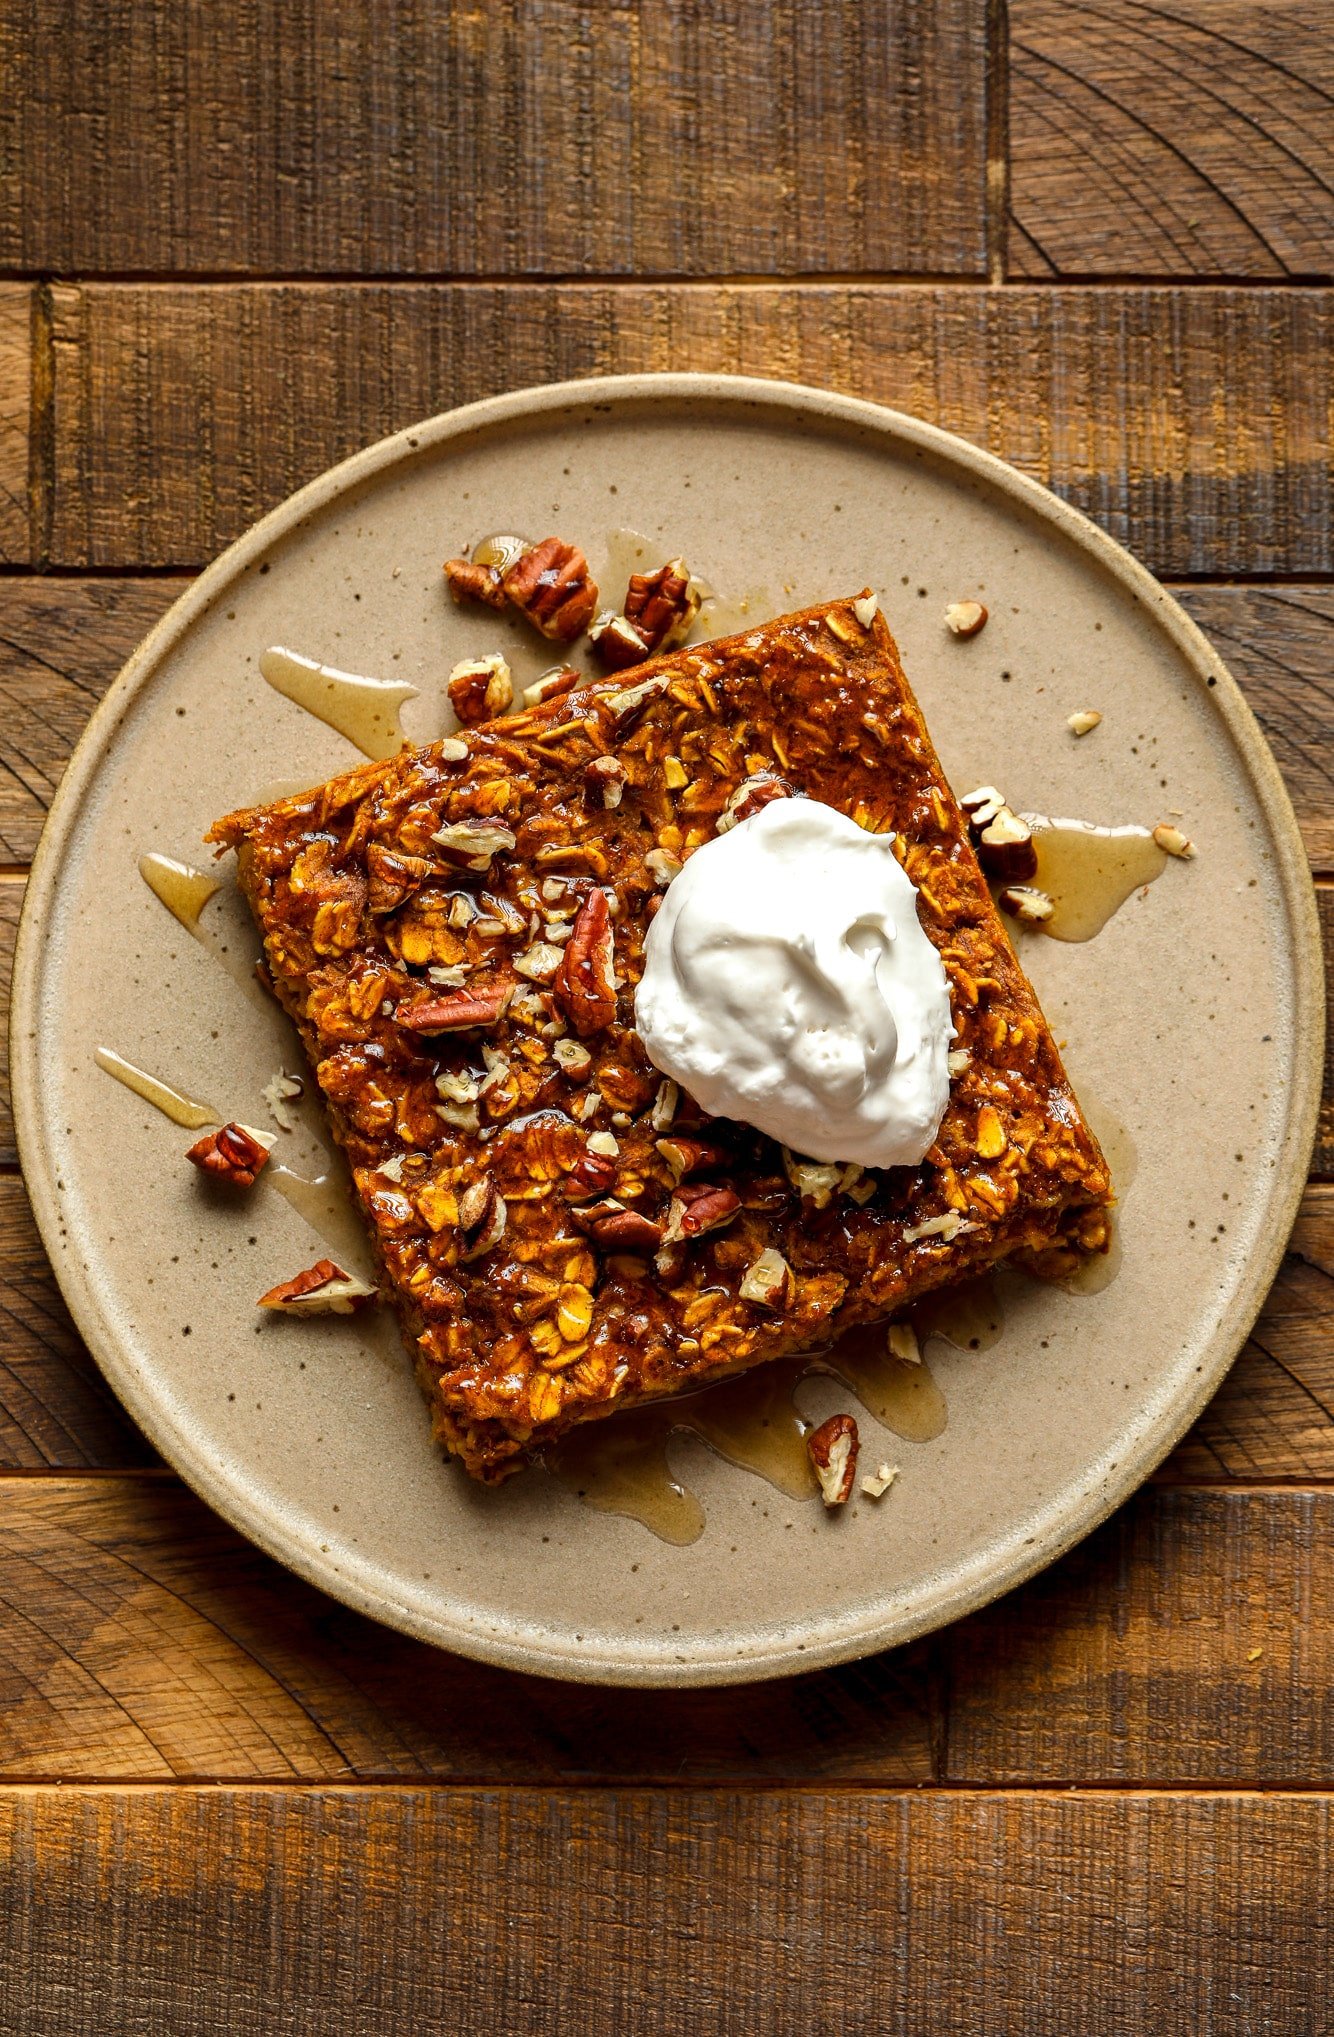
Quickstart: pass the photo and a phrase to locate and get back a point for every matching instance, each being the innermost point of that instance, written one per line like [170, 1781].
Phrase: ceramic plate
[1191, 1026]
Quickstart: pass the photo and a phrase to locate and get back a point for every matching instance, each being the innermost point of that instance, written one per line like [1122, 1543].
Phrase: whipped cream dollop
[788, 983]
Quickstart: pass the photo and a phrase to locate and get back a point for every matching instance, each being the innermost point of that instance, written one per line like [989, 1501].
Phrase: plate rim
[850, 1636]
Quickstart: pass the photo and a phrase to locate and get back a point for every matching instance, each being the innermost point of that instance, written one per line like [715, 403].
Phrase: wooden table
[238, 241]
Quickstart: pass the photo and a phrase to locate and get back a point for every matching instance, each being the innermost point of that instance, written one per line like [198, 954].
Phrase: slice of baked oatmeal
[458, 933]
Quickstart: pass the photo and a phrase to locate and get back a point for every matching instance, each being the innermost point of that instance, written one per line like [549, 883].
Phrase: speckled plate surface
[1193, 1024]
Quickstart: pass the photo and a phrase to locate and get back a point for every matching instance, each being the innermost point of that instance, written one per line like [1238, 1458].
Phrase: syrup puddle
[366, 711]
[1089, 872]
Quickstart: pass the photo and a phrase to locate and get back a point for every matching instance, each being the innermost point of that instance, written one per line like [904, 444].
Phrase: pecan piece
[750, 795]
[693, 1211]
[591, 1175]
[605, 778]
[616, 641]
[230, 1154]
[471, 581]
[472, 844]
[662, 605]
[551, 586]
[551, 685]
[583, 985]
[1003, 840]
[690, 1156]
[483, 1210]
[462, 1010]
[832, 1449]
[393, 877]
[625, 1230]
[965, 618]
[767, 1280]
[323, 1289]
[480, 688]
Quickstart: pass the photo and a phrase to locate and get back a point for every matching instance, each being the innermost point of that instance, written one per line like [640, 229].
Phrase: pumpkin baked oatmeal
[459, 932]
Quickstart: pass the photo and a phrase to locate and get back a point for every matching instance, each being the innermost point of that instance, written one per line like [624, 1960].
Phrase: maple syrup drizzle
[185, 893]
[182, 1110]
[1089, 872]
[366, 711]
[323, 1200]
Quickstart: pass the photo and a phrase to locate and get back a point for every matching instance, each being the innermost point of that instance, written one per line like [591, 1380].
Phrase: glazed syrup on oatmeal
[366, 711]
[1089, 872]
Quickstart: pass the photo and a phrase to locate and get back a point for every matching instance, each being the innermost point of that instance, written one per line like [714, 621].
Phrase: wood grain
[15, 413]
[55, 1407]
[1273, 1416]
[180, 413]
[141, 1638]
[63, 639]
[1279, 643]
[1188, 1640]
[528, 137]
[664, 1913]
[62, 642]
[1186, 137]
[1322, 1160]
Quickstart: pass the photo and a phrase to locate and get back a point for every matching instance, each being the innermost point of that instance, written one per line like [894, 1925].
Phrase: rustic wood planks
[523, 138]
[664, 1913]
[1171, 138]
[180, 413]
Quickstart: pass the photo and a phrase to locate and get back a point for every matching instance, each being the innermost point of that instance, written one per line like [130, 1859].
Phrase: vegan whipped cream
[787, 983]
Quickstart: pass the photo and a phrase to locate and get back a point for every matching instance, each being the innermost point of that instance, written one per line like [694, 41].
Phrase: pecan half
[230, 1154]
[323, 1289]
[583, 984]
[551, 586]
[470, 581]
[832, 1449]
[662, 605]
[484, 1006]
[693, 1211]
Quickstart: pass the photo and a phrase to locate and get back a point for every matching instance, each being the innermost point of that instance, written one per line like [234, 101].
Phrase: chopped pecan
[690, 1156]
[1171, 838]
[626, 1230]
[693, 1211]
[230, 1154]
[471, 581]
[1002, 838]
[768, 1280]
[1026, 902]
[323, 1289]
[832, 1449]
[472, 844]
[583, 985]
[965, 618]
[551, 685]
[662, 605]
[483, 1210]
[592, 1175]
[463, 1009]
[393, 877]
[551, 586]
[480, 688]
[750, 795]
[605, 777]
[616, 641]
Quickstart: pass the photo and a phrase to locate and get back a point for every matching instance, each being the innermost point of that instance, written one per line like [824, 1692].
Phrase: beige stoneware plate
[1193, 1027]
